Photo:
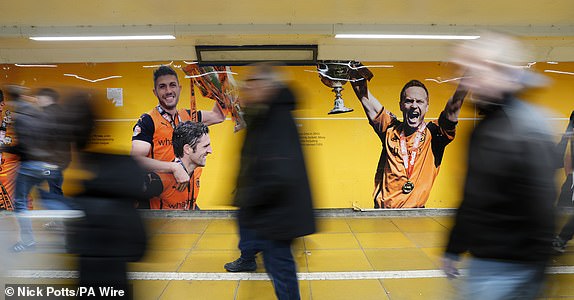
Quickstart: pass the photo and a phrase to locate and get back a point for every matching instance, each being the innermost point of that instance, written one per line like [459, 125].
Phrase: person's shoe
[21, 247]
[559, 245]
[241, 265]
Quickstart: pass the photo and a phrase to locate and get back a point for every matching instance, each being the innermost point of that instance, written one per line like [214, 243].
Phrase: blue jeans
[497, 279]
[248, 243]
[278, 261]
[31, 174]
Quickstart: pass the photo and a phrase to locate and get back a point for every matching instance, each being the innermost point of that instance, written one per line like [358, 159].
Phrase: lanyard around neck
[168, 117]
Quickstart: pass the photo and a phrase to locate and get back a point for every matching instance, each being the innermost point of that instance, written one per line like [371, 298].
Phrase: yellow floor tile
[263, 290]
[184, 226]
[217, 242]
[331, 241]
[435, 255]
[255, 290]
[300, 257]
[372, 225]
[298, 244]
[418, 224]
[347, 289]
[148, 289]
[419, 288]
[173, 241]
[559, 286]
[333, 225]
[154, 225]
[345, 244]
[208, 261]
[222, 226]
[337, 261]
[384, 240]
[446, 221]
[428, 239]
[399, 259]
[200, 290]
[159, 261]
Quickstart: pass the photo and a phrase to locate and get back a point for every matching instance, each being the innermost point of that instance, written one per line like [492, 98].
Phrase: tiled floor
[197, 246]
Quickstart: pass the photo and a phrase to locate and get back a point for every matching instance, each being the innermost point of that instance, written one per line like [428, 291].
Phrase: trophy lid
[334, 69]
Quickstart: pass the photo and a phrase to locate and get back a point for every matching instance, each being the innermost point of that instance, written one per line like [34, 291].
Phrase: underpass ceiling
[546, 26]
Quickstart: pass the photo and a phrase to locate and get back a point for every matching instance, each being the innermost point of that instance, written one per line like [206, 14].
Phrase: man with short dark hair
[412, 149]
[191, 145]
[151, 140]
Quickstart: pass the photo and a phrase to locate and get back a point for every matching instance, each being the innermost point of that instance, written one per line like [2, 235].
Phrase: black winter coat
[112, 227]
[273, 192]
[507, 212]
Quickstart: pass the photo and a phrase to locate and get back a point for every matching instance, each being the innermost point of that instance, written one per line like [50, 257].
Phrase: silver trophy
[335, 74]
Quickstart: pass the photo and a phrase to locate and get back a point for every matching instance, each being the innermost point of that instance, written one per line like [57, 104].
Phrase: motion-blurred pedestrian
[506, 218]
[273, 193]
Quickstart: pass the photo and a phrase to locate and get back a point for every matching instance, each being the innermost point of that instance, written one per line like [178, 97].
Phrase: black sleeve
[144, 129]
[153, 186]
[442, 135]
[445, 123]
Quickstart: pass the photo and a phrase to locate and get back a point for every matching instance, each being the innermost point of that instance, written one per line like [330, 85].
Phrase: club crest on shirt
[137, 130]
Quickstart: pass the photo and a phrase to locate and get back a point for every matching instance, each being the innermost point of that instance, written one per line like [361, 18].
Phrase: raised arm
[371, 105]
[454, 104]
[215, 116]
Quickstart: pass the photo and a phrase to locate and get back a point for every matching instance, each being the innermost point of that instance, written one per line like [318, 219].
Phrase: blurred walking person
[273, 193]
[37, 132]
[112, 232]
[506, 218]
[566, 197]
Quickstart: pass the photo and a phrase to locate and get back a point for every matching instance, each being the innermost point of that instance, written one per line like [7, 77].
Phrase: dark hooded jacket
[273, 193]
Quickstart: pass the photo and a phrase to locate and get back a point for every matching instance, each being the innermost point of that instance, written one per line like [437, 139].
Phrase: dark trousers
[568, 230]
[278, 261]
[565, 197]
[104, 272]
[248, 243]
